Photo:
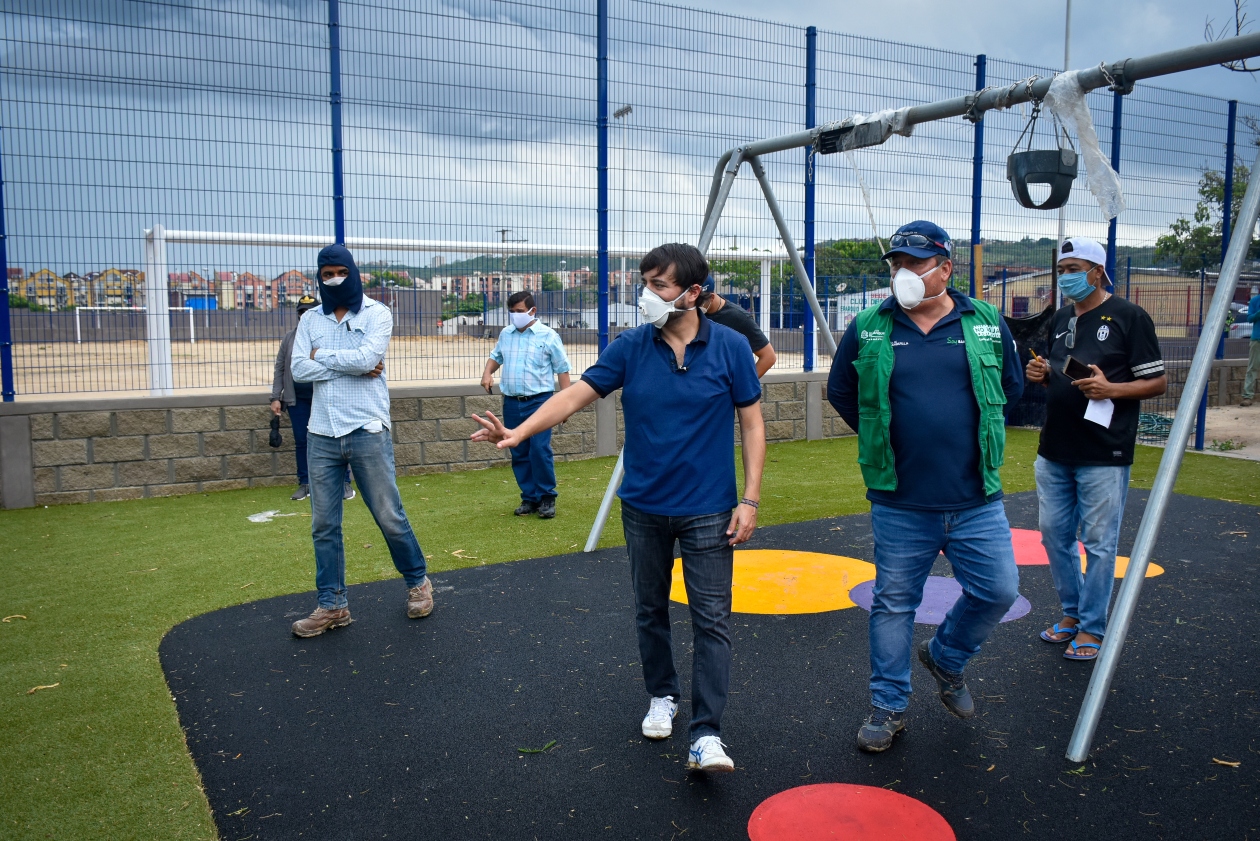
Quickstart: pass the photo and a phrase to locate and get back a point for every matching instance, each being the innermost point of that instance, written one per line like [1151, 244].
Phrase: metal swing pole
[1165, 478]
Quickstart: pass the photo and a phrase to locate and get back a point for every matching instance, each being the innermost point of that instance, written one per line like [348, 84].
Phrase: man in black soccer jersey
[1086, 449]
[738, 319]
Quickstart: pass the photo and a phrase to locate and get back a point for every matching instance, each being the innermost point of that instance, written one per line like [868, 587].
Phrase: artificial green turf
[101, 755]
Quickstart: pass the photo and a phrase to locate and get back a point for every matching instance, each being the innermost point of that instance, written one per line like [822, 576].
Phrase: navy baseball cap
[708, 285]
[920, 239]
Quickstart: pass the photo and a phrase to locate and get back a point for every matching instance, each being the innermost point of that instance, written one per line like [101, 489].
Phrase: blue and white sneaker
[707, 755]
[659, 721]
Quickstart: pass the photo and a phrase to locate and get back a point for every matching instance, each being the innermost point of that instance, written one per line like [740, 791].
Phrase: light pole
[620, 116]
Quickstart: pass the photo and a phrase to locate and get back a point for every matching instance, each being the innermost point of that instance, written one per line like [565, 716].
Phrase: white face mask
[908, 287]
[334, 281]
[656, 310]
[521, 320]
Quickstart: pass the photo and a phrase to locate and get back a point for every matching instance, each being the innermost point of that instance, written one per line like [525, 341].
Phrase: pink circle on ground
[846, 813]
[939, 595]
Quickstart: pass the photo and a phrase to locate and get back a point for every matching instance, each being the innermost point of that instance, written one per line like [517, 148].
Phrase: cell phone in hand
[1077, 370]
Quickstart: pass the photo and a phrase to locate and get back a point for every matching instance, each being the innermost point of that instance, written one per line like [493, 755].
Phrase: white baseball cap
[1085, 249]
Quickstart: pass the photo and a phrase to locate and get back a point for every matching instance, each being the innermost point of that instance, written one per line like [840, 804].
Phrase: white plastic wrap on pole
[605, 506]
[807, 282]
[1165, 478]
[1066, 99]
[157, 312]
[78, 334]
[763, 311]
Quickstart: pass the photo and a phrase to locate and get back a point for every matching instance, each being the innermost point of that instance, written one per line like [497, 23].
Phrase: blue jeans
[707, 568]
[299, 419]
[371, 455]
[532, 461]
[1087, 502]
[977, 542]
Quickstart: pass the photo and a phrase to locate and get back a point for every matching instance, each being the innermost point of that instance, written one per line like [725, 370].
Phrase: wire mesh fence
[474, 126]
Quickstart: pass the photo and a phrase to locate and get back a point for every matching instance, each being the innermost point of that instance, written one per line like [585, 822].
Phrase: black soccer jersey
[738, 319]
[1118, 337]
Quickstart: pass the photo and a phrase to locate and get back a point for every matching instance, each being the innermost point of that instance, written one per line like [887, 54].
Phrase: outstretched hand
[493, 430]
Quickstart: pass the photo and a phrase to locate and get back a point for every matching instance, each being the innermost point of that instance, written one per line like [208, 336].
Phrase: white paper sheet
[1099, 411]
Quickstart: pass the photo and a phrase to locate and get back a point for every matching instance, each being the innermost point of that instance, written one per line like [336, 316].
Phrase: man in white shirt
[340, 347]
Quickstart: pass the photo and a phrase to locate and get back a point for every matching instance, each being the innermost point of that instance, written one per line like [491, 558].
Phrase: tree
[1196, 243]
[551, 283]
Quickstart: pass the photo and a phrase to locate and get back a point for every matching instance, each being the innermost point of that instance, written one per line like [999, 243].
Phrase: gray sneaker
[302, 492]
[877, 732]
[954, 692]
[420, 600]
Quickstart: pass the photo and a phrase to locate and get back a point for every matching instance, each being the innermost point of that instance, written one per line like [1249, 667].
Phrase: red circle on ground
[846, 813]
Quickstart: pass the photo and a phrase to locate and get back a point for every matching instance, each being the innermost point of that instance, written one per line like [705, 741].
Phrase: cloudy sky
[463, 117]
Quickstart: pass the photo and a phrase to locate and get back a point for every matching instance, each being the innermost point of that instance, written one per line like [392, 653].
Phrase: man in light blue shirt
[1253, 358]
[532, 358]
[340, 347]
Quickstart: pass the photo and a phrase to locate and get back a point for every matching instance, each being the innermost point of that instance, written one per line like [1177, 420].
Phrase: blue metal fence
[485, 129]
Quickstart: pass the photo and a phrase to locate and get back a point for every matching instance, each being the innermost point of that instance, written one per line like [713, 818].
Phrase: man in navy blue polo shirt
[683, 381]
[925, 377]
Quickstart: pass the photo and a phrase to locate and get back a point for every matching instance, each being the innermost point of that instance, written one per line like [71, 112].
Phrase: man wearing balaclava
[924, 377]
[340, 348]
[1104, 360]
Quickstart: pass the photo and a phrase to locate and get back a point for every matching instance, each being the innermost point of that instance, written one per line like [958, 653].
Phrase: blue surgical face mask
[1076, 285]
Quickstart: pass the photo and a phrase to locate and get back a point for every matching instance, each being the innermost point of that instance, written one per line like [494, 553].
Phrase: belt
[527, 396]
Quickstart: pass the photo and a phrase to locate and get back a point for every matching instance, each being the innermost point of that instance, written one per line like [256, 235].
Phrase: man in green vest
[925, 377]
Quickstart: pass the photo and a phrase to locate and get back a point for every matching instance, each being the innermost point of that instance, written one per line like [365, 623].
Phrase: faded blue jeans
[532, 462]
[371, 456]
[977, 542]
[1084, 502]
[708, 563]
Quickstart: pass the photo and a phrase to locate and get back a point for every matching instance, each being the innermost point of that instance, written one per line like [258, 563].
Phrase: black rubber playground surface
[410, 729]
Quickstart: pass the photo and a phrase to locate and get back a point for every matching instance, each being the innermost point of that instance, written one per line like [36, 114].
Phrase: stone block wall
[1225, 380]
[112, 449]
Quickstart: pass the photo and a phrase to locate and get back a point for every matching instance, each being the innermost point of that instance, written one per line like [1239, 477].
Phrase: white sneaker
[659, 721]
[707, 755]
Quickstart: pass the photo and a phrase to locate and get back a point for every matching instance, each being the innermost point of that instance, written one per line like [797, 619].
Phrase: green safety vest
[982, 337]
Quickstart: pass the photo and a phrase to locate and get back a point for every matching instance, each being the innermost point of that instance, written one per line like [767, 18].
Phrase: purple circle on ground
[939, 595]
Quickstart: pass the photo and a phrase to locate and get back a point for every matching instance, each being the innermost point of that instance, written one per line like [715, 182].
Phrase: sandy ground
[119, 369]
[1234, 428]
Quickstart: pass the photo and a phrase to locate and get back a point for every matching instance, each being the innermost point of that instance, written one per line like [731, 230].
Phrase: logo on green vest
[872, 335]
[987, 332]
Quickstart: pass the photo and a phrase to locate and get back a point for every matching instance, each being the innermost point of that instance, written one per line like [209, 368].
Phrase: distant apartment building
[496, 286]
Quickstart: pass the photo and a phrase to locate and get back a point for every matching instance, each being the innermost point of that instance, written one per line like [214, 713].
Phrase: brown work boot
[321, 620]
[420, 600]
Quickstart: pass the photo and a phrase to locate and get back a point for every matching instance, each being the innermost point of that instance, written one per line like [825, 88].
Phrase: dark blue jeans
[532, 461]
[371, 454]
[300, 418]
[707, 564]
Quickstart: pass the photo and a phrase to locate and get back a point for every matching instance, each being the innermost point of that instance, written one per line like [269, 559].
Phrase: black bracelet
[747, 501]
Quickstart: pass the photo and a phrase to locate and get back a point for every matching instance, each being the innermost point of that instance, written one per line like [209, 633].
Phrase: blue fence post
[334, 100]
[977, 179]
[1229, 177]
[1003, 310]
[811, 57]
[602, 71]
[6, 332]
[1199, 430]
[1117, 108]
[1128, 278]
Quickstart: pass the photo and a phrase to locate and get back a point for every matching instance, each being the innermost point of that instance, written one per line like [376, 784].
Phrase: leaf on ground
[1226, 762]
[13, 616]
[35, 689]
[542, 749]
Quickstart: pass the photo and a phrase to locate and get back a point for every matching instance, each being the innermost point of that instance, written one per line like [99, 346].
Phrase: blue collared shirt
[680, 422]
[344, 400]
[1253, 315]
[935, 424]
[531, 359]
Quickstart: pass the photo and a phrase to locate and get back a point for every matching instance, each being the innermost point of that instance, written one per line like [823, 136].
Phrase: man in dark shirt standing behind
[1087, 443]
[738, 319]
[925, 377]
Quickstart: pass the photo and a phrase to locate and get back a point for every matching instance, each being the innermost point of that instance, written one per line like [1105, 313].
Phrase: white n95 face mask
[908, 287]
[655, 310]
[521, 320]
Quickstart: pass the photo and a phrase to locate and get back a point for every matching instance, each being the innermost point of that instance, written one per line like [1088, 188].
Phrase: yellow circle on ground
[1122, 566]
[779, 581]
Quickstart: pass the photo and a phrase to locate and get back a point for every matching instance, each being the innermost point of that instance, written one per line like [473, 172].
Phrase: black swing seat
[1056, 167]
